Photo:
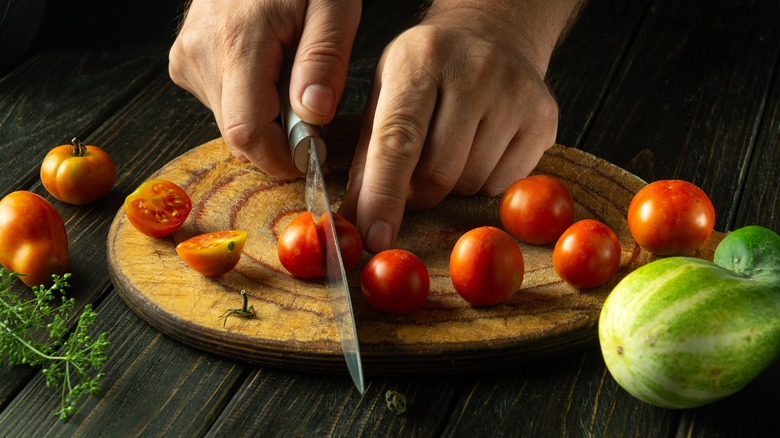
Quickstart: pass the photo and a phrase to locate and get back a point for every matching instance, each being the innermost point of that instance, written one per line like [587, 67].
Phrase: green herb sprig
[34, 332]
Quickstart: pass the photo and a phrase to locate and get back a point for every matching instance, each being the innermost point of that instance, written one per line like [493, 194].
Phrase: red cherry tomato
[536, 209]
[587, 254]
[33, 240]
[213, 254]
[157, 207]
[301, 246]
[671, 217]
[395, 281]
[350, 243]
[77, 173]
[486, 266]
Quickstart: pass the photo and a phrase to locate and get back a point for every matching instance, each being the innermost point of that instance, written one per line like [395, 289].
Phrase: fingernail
[379, 236]
[318, 99]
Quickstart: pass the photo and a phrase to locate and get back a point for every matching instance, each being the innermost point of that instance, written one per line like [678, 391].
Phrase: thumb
[321, 63]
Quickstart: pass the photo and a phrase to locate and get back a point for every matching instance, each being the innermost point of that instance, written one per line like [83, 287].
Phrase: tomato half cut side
[157, 207]
[213, 254]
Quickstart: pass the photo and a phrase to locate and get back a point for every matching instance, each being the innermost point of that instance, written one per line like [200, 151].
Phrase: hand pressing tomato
[33, 240]
[77, 173]
[395, 281]
[536, 209]
[157, 207]
[213, 254]
[486, 266]
[671, 217]
[301, 246]
[587, 254]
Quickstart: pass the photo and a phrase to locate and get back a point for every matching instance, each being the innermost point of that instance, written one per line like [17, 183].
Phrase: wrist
[533, 27]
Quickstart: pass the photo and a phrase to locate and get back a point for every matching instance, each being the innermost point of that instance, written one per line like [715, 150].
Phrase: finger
[321, 64]
[348, 207]
[446, 150]
[405, 105]
[490, 143]
[248, 113]
[523, 152]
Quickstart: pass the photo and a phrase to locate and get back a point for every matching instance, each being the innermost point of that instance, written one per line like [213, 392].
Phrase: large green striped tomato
[683, 332]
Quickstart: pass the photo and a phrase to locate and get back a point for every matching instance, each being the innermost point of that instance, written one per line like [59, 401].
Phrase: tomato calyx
[77, 148]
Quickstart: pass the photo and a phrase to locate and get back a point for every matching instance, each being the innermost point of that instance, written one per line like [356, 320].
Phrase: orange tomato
[78, 174]
[213, 254]
[33, 240]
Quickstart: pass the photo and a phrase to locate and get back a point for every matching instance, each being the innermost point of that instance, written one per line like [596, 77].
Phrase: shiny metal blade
[336, 285]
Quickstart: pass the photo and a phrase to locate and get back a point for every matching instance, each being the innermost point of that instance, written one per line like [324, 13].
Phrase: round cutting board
[294, 328]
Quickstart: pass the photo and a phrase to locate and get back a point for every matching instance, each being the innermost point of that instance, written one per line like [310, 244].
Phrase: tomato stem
[77, 148]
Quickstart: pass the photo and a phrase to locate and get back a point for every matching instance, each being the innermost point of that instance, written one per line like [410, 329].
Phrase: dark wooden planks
[78, 74]
[691, 95]
[585, 64]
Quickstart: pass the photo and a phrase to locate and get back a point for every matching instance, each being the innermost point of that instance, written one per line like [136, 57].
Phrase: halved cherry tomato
[158, 207]
[301, 246]
[33, 240]
[486, 266]
[395, 281]
[587, 254]
[536, 209]
[213, 254]
[78, 174]
[671, 217]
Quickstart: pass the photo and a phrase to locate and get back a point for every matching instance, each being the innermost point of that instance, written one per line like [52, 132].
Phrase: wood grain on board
[294, 327]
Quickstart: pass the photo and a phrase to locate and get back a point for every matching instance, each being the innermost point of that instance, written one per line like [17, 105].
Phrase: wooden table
[662, 88]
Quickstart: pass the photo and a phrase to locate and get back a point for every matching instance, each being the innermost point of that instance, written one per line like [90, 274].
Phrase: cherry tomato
[77, 173]
[587, 254]
[213, 254]
[301, 246]
[671, 217]
[486, 266]
[33, 240]
[158, 207]
[536, 209]
[395, 281]
[350, 243]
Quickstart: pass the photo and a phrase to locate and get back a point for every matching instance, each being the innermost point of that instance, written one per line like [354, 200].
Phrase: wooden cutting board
[294, 327]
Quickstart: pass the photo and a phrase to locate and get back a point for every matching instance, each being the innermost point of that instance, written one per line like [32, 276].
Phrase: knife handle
[299, 134]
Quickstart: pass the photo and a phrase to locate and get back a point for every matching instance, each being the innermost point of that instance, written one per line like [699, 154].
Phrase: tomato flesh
[671, 217]
[536, 209]
[486, 266]
[587, 255]
[213, 254]
[395, 281]
[158, 207]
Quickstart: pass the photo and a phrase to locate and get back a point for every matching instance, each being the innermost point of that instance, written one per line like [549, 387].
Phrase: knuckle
[400, 139]
[434, 180]
[325, 54]
[239, 136]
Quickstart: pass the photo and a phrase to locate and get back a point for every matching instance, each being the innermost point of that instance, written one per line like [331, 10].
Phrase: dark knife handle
[299, 134]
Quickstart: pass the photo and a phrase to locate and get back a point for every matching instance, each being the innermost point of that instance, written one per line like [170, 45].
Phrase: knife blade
[306, 148]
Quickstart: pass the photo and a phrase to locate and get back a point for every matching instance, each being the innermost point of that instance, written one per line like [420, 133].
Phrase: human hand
[231, 54]
[458, 105]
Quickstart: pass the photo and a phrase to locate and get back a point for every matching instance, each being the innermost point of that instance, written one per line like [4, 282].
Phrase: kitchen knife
[308, 151]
